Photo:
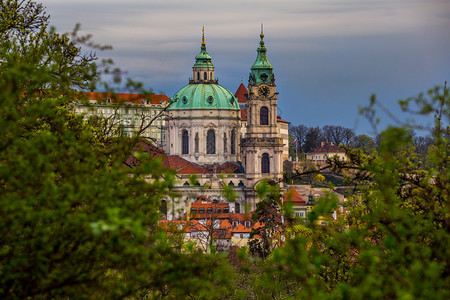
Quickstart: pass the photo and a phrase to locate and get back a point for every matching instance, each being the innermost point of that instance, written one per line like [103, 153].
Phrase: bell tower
[262, 147]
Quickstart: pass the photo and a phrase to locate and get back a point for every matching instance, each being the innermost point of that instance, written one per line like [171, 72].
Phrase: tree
[299, 133]
[393, 243]
[313, 139]
[337, 134]
[76, 223]
[266, 234]
[365, 143]
[422, 145]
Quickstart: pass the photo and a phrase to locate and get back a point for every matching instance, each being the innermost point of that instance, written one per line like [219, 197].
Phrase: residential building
[132, 112]
[325, 151]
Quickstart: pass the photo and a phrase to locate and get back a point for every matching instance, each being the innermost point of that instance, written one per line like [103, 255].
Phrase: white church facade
[224, 139]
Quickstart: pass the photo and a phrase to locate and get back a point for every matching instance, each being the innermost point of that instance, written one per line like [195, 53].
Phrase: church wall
[200, 122]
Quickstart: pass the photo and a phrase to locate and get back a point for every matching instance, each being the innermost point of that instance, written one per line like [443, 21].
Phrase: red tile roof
[227, 168]
[175, 162]
[279, 119]
[293, 196]
[127, 97]
[241, 228]
[241, 93]
[241, 217]
[328, 148]
[202, 201]
[243, 114]
[192, 168]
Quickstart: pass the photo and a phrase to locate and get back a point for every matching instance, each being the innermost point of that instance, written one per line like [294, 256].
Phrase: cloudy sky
[329, 56]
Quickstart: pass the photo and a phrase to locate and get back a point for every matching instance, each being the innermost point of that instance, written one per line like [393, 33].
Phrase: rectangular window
[201, 210]
[209, 210]
[300, 214]
[226, 210]
[193, 210]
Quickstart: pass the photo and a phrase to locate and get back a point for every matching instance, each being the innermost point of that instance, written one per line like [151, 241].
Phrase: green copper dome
[203, 90]
[204, 96]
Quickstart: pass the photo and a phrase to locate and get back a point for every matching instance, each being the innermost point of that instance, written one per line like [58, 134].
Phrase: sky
[328, 56]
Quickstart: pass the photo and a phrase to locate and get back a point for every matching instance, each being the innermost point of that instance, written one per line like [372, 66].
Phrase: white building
[132, 112]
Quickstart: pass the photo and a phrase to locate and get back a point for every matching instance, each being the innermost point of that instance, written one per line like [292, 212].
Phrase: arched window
[225, 141]
[211, 76]
[205, 76]
[265, 163]
[196, 142]
[233, 141]
[211, 142]
[264, 116]
[185, 142]
[198, 75]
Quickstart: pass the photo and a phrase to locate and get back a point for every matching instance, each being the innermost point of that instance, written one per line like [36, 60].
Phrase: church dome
[204, 96]
[203, 90]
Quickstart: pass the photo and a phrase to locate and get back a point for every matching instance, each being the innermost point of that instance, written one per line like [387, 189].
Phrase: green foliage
[266, 235]
[77, 223]
[394, 241]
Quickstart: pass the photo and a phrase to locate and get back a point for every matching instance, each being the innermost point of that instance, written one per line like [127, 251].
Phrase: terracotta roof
[144, 146]
[293, 196]
[241, 228]
[175, 162]
[241, 93]
[241, 217]
[222, 232]
[181, 165]
[243, 114]
[192, 168]
[328, 148]
[228, 168]
[279, 119]
[127, 97]
[201, 203]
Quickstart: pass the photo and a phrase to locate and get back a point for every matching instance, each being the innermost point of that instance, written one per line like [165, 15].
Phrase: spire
[203, 59]
[261, 70]
[203, 69]
[203, 36]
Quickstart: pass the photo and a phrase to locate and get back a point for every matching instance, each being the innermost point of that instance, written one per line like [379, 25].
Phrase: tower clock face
[264, 91]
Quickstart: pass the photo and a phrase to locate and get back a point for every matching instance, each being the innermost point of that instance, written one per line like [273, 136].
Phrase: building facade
[325, 151]
[132, 112]
[224, 139]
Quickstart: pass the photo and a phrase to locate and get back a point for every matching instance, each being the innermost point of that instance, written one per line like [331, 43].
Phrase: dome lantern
[203, 69]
